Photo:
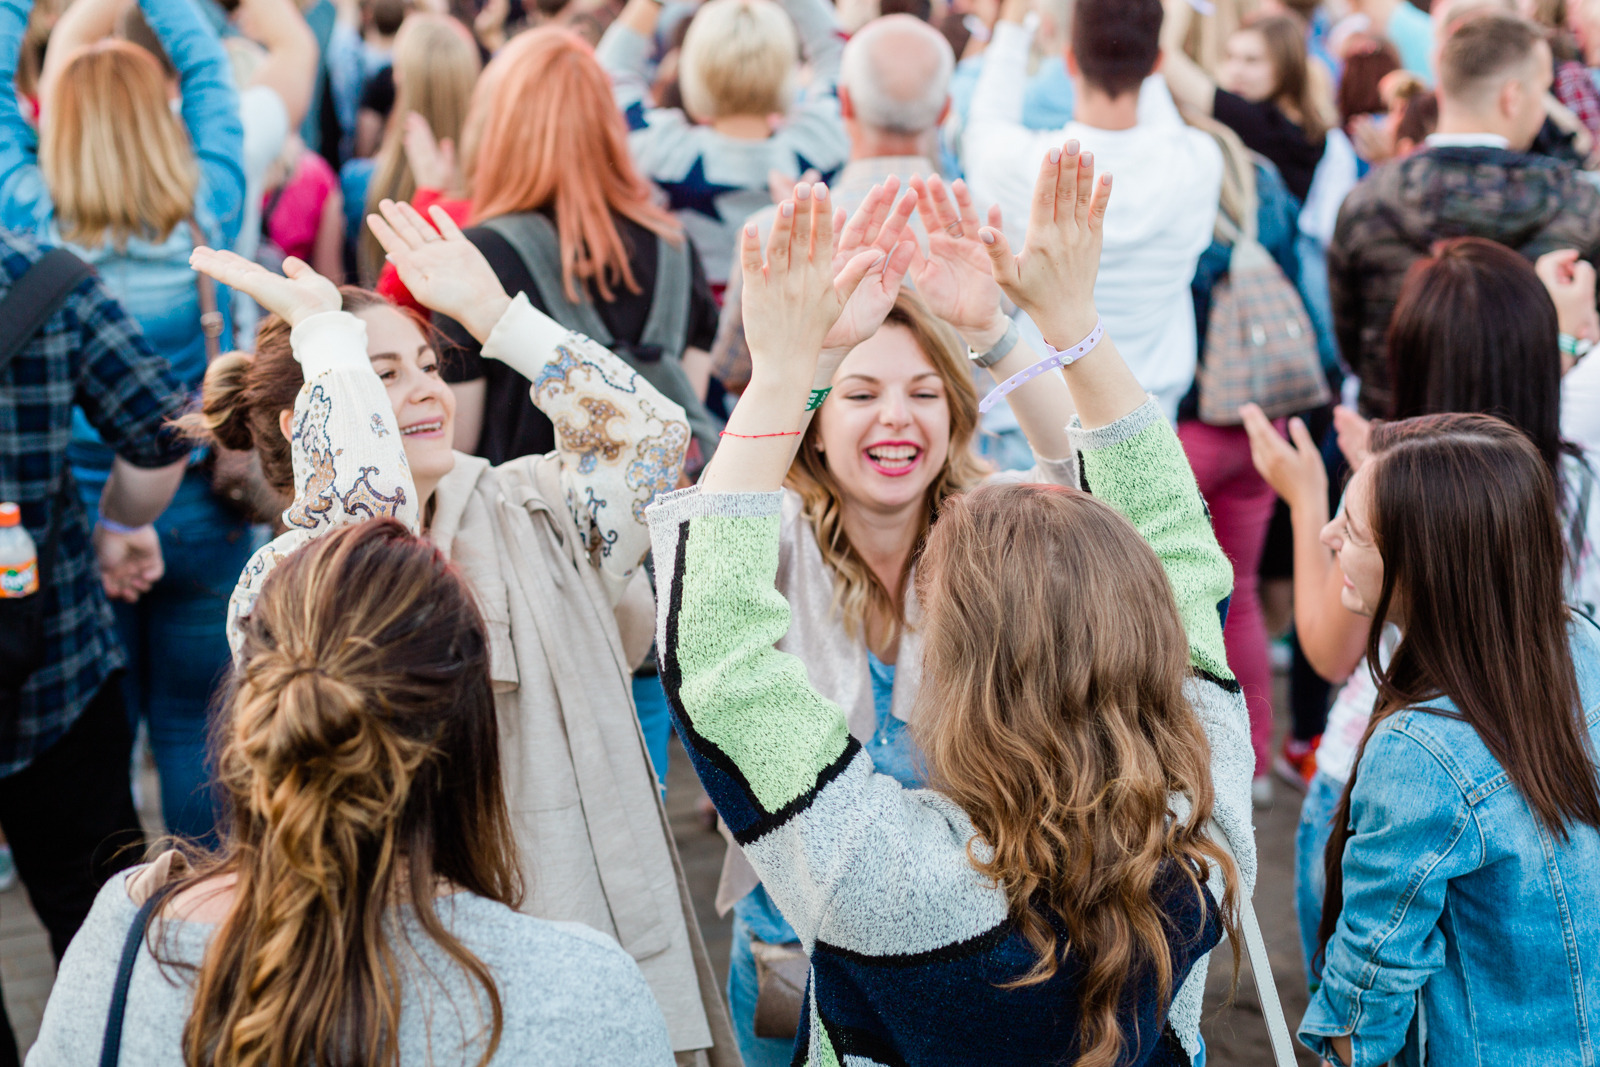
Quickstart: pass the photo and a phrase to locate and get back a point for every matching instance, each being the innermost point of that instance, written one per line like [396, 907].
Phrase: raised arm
[620, 441]
[993, 137]
[1190, 85]
[210, 105]
[814, 127]
[624, 52]
[290, 68]
[24, 200]
[349, 463]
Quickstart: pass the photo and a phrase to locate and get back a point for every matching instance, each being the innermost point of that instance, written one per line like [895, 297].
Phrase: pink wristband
[1050, 362]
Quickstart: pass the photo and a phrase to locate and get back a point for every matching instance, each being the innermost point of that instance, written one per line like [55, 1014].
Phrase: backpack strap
[667, 327]
[1260, 968]
[535, 242]
[35, 297]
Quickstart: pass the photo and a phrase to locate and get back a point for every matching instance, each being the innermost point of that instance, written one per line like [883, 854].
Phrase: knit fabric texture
[909, 945]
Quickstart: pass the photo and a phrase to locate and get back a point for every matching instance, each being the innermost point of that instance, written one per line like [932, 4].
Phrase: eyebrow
[874, 381]
[421, 351]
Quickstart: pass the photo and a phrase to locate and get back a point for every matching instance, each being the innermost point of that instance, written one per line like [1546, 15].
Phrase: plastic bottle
[19, 560]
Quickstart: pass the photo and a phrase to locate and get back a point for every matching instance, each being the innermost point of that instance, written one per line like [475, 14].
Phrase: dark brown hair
[1419, 119]
[1482, 50]
[243, 395]
[1475, 330]
[1116, 42]
[1463, 513]
[1365, 66]
[360, 756]
[1053, 712]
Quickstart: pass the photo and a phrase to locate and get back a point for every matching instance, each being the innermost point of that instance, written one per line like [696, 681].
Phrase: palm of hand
[865, 311]
[957, 282]
[448, 275]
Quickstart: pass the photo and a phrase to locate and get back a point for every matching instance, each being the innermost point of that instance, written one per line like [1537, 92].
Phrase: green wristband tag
[817, 397]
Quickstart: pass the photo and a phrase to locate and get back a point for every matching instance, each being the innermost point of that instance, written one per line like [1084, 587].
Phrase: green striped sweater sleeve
[1137, 465]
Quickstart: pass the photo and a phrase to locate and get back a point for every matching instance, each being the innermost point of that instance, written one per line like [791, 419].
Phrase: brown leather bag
[236, 477]
[781, 972]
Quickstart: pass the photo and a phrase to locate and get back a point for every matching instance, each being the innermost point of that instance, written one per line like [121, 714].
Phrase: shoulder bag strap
[210, 317]
[111, 1045]
[667, 326]
[1261, 969]
[535, 241]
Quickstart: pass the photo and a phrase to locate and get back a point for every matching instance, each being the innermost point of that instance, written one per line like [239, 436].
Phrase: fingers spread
[894, 227]
[1302, 436]
[391, 241]
[445, 224]
[1001, 261]
[850, 278]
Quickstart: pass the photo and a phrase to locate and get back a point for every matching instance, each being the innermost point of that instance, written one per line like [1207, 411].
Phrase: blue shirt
[1411, 32]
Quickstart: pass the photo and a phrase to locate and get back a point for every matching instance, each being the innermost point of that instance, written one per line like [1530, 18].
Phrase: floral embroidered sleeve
[621, 442]
[349, 464]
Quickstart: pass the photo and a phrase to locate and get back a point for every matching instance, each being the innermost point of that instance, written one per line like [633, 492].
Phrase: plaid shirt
[91, 354]
[1575, 88]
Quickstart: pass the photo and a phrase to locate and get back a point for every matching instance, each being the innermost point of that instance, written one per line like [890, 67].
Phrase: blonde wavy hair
[117, 161]
[360, 756]
[1057, 720]
[858, 592]
[436, 66]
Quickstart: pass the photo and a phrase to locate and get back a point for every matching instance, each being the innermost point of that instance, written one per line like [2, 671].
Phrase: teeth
[421, 427]
[900, 452]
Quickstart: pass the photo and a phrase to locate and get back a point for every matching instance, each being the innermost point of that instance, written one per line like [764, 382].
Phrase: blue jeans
[655, 722]
[742, 991]
[177, 645]
[1310, 879]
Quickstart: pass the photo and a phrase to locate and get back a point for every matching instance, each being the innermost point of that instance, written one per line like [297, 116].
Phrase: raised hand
[443, 270]
[1294, 470]
[1354, 434]
[433, 162]
[294, 296]
[793, 300]
[1571, 284]
[955, 277]
[878, 224]
[1053, 278]
[130, 563]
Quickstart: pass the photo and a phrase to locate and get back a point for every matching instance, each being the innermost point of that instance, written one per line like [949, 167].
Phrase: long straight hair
[548, 134]
[360, 756]
[1285, 39]
[1053, 712]
[435, 67]
[117, 162]
[1463, 513]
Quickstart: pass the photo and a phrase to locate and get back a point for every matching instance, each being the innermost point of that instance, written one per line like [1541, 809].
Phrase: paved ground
[1235, 1035]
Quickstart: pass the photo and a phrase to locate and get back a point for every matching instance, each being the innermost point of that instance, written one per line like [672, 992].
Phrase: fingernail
[1072, 147]
[787, 210]
[1055, 155]
[1105, 179]
[986, 237]
[1087, 160]
[822, 192]
[750, 230]
[802, 192]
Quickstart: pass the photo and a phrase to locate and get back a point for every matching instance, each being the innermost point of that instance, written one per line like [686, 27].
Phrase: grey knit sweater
[570, 995]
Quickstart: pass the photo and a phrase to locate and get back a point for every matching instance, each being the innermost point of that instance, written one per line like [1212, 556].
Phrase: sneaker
[1296, 762]
[8, 869]
[1261, 791]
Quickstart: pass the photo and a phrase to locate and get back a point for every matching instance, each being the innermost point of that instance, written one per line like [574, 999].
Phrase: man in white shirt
[1168, 177]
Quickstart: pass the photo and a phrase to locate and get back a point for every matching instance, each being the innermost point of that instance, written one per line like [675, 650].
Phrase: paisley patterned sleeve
[621, 442]
[349, 464]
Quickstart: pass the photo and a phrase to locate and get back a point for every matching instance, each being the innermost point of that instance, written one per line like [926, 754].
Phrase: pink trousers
[1241, 505]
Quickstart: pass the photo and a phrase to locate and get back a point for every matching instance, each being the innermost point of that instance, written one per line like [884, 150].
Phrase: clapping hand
[130, 563]
[955, 277]
[443, 270]
[1053, 278]
[1294, 470]
[879, 224]
[793, 300]
[294, 296]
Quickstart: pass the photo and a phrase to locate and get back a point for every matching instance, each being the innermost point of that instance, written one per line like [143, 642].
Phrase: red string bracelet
[757, 436]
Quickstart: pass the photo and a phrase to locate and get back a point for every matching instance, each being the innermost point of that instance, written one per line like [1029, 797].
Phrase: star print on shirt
[826, 176]
[694, 193]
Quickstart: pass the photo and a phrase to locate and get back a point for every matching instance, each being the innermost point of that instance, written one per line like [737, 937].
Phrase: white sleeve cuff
[525, 338]
[330, 340]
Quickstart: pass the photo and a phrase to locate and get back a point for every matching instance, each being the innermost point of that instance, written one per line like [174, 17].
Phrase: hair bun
[224, 417]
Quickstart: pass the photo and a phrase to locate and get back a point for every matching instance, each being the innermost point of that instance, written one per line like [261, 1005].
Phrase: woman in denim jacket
[1459, 927]
[116, 176]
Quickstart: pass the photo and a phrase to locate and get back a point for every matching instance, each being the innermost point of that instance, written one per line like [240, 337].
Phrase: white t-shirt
[266, 128]
[1168, 179]
[1580, 403]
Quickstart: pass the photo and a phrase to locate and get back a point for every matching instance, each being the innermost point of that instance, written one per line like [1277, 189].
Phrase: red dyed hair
[552, 135]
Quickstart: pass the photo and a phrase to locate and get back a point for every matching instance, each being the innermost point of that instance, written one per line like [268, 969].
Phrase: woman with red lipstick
[344, 406]
[889, 445]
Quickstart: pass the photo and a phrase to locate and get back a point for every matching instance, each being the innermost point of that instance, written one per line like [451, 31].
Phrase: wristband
[1001, 349]
[1052, 361]
[817, 397]
[1576, 347]
[118, 528]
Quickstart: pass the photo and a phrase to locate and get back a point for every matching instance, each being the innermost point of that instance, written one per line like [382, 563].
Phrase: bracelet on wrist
[117, 527]
[1055, 358]
[817, 397]
[1000, 349]
[1576, 347]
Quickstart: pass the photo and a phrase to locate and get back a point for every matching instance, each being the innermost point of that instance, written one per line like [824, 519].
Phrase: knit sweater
[909, 945]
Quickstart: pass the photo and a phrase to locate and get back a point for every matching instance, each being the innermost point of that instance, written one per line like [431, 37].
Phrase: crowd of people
[944, 416]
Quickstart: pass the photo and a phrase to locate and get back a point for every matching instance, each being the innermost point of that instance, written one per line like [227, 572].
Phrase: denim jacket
[151, 280]
[1470, 935]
